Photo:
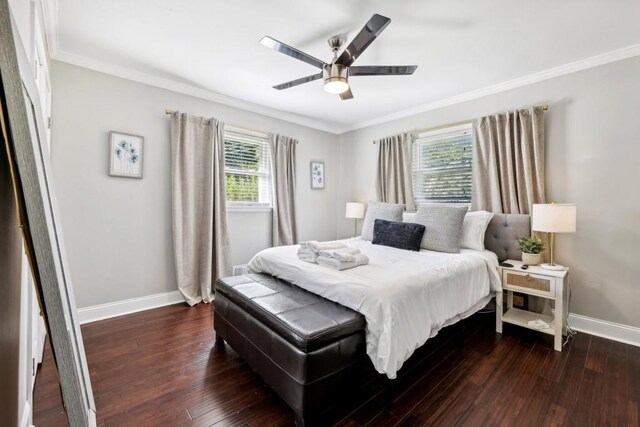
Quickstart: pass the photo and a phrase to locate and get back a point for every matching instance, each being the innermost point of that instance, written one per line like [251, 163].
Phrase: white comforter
[406, 297]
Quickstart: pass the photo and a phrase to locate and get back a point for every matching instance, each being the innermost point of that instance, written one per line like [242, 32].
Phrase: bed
[406, 298]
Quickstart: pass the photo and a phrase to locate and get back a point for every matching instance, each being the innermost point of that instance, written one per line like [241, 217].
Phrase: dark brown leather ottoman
[307, 348]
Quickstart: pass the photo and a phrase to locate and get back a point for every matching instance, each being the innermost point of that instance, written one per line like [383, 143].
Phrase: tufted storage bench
[308, 349]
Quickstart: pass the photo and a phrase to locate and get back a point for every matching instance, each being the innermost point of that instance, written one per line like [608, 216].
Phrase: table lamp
[355, 210]
[553, 218]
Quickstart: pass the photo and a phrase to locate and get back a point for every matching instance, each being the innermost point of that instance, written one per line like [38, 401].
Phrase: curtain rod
[168, 112]
[451, 125]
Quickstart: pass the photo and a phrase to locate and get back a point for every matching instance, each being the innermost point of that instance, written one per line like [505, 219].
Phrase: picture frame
[317, 175]
[126, 153]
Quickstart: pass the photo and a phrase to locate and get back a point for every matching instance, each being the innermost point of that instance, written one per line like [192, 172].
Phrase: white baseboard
[589, 325]
[605, 329]
[133, 305]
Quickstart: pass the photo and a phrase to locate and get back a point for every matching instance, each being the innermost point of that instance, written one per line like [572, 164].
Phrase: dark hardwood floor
[160, 367]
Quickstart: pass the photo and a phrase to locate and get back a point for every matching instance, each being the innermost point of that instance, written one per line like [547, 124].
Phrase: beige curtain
[394, 181]
[508, 161]
[283, 167]
[200, 238]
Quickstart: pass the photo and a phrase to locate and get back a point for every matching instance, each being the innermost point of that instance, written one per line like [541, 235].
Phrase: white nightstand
[553, 285]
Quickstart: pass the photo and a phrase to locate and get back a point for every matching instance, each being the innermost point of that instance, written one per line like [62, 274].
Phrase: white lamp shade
[554, 218]
[354, 210]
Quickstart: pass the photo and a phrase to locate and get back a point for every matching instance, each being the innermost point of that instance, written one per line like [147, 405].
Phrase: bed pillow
[401, 235]
[474, 228]
[379, 210]
[443, 227]
[409, 217]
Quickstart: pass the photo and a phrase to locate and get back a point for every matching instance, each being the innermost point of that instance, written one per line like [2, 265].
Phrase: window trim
[434, 134]
[251, 136]
[239, 207]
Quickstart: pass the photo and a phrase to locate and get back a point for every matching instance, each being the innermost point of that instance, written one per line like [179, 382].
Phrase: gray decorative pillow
[443, 227]
[379, 210]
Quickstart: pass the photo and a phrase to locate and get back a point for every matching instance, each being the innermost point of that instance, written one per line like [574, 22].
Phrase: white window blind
[442, 165]
[247, 169]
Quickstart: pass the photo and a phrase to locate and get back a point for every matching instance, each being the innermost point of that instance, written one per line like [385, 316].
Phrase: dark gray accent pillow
[401, 235]
[443, 227]
[380, 210]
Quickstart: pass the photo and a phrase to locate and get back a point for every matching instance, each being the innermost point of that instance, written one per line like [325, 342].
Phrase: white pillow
[409, 217]
[474, 227]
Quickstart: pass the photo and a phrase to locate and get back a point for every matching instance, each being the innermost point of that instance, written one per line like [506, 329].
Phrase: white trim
[605, 329]
[25, 420]
[173, 85]
[187, 89]
[601, 328]
[50, 12]
[465, 128]
[50, 18]
[248, 208]
[572, 67]
[128, 306]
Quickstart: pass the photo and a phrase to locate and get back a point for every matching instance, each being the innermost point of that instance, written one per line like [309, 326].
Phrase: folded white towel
[307, 255]
[360, 259]
[304, 245]
[343, 254]
[324, 246]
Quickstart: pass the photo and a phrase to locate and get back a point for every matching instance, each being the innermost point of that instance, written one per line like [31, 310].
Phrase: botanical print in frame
[317, 175]
[125, 155]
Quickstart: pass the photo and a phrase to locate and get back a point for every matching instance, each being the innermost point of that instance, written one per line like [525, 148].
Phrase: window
[442, 165]
[247, 169]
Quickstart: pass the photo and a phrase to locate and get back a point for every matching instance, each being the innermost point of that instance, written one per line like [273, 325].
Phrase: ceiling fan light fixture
[335, 74]
[336, 85]
[336, 78]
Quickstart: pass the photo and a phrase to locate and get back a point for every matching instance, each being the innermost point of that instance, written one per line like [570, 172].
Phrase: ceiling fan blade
[365, 37]
[346, 95]
[382, 70]
[291, 51]
[299, 81]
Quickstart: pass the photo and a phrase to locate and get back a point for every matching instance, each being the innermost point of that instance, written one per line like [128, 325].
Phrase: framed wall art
[317, 175]
[125, 155]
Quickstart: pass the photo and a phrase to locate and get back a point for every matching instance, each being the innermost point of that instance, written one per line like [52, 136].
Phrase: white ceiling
[459, 46]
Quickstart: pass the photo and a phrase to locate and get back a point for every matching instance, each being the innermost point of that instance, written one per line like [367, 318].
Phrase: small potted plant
[532, 248]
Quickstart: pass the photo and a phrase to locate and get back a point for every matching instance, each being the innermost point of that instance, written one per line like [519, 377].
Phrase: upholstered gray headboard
[502, 232]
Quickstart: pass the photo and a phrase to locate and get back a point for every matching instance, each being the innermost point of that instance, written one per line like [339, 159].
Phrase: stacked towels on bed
[334, 255]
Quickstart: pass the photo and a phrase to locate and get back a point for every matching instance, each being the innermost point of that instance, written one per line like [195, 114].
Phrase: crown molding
[50, 18]
[184, 88]
[572, 67]
[187, 89]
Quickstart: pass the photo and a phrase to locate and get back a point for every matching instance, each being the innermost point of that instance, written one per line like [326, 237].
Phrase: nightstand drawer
[529, 283]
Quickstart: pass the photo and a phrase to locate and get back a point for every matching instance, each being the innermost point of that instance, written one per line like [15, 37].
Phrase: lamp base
[554, 267]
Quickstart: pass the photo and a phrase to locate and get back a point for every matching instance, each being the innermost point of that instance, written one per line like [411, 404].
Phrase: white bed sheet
[406, 297]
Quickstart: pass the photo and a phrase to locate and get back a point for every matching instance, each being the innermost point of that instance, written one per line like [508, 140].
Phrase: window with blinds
[442, 165]
[247, 169]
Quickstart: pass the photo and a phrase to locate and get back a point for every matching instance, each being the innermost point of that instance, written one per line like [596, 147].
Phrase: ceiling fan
[336, 73]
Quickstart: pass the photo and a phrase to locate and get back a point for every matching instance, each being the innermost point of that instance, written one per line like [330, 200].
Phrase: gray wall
[592, 151]
[592, 155]
[118, 230]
